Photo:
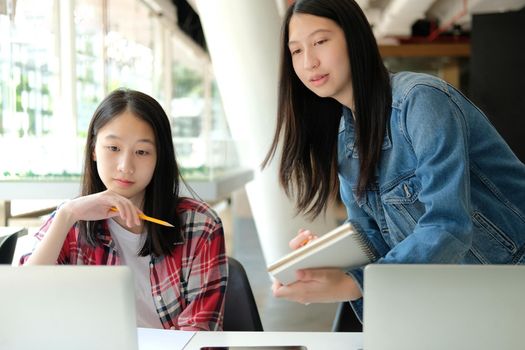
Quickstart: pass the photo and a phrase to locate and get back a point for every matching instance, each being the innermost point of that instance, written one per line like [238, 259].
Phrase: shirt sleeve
[64, 256]
[206, 281]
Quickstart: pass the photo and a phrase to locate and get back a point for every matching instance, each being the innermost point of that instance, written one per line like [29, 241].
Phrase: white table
[312, 340]
[160, 339]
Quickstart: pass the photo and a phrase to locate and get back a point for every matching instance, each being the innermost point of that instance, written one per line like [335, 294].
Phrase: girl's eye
[296, 51]
[142, 152]
[112, 148]
[320, 42]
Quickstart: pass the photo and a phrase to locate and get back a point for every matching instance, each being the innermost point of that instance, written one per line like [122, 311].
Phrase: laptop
[444, 307]
[67, 307]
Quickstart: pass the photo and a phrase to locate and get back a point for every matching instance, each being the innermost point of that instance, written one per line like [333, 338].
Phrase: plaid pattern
[188, 286]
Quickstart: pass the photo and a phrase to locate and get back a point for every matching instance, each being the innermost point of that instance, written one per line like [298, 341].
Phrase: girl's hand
[99, 206]
[316, 285]
[303, 237]
[93, 207]
[319, 286]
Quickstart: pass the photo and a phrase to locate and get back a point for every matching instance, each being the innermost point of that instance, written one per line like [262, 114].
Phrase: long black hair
[308, 124]
[162, 193]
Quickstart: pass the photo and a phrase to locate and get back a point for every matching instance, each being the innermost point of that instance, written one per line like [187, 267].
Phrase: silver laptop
[444, 307]
[67, 307]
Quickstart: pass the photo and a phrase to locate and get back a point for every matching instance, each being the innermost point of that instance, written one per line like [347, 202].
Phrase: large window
[89, 54]
[189, 116]
[202, 139]
[58, 59]
[130, 45]
[29, 124]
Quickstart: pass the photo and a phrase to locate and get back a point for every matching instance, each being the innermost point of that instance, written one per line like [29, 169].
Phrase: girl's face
[126, 155]
[320, 58]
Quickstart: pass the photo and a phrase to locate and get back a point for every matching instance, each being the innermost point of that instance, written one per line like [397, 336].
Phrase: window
[58, 59]
[89, 53]
[202, 139]
[30, 86]
[129, 43]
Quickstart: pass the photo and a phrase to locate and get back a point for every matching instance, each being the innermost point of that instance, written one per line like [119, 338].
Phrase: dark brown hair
[308, 124]
[162, 193]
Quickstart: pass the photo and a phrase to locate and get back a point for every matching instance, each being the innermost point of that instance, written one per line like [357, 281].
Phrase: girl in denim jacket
[419, 168]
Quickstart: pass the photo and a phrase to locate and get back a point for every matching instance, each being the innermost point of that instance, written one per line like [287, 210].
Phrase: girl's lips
[124, 183]
[319, 80]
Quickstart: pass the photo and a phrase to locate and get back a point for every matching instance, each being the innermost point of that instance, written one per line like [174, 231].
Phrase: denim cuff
[357, 305]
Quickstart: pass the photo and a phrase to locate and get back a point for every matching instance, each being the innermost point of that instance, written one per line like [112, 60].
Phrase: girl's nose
[126, 164]
[310, 61]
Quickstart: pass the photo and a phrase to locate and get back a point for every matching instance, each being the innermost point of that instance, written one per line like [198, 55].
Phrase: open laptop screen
[67, 307]
[444, 307]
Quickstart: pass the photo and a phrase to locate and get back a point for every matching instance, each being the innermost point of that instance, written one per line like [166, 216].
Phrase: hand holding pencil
[303, 238]
[104, 205]
[148, 218]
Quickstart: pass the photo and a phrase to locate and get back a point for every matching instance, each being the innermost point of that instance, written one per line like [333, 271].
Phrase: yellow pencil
[306, 241]
[149, 218]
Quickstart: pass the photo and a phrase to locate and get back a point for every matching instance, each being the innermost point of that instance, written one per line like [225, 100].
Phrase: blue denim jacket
[447, 188]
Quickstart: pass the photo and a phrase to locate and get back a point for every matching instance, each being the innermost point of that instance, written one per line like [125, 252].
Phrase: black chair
[240, 310]
[346, 320]
[7, 248]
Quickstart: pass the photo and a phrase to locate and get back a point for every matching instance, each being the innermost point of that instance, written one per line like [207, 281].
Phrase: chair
[346, 320]
[240, 309]
[7, 248]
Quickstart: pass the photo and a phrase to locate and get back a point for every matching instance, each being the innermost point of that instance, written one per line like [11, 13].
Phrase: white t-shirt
[128, 245]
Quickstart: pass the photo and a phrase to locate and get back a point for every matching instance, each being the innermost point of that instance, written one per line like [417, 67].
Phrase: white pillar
[243, 41]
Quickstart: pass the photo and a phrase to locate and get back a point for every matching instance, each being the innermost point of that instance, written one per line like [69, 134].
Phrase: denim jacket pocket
[490, 240]
[402, 206]
[404, 197]
[405, 191]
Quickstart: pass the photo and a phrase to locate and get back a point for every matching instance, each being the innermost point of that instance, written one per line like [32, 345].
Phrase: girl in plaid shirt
[180, 272]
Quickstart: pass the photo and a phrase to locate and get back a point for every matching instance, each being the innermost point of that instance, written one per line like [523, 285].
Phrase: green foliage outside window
[187, 82]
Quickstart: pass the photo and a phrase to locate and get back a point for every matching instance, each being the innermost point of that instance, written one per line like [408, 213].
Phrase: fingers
[103, 205]
[319, 286]
[121, 207]
[293, 292]
[128, 213]
[281, 291]
[319, 275]
[303, 237]
[276, 285]
[311, 275]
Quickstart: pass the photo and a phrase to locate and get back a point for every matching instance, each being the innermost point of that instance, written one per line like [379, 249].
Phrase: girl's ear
[94, 156]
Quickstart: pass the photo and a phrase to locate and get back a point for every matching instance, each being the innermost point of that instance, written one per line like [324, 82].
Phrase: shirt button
[159, 298]
[172, 328]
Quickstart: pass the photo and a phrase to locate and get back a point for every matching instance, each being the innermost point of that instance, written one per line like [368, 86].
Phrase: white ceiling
[394, 18]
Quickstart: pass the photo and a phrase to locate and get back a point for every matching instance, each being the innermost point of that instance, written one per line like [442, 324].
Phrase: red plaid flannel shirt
[188, 287]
